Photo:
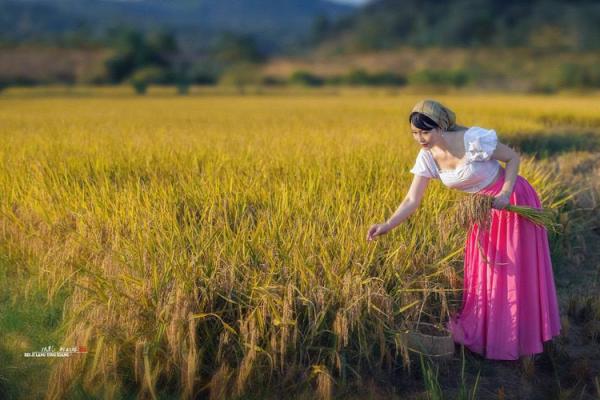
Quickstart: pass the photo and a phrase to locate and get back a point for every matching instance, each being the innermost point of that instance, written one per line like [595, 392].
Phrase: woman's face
[426, 139]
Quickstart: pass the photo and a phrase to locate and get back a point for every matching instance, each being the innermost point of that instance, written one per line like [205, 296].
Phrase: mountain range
[281, 25]
[275, 23]
[549, 24]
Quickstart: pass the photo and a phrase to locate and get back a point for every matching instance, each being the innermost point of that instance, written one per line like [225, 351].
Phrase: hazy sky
[356, 2]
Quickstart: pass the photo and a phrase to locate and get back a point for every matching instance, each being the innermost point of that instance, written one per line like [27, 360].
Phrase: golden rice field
[215, 245]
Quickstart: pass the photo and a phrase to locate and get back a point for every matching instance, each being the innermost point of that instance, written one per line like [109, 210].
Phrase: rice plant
[213, 245]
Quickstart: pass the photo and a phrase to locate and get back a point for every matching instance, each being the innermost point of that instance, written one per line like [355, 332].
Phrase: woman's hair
[422, 121]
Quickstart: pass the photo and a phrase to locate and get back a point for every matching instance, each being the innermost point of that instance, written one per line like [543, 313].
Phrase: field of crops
[215, 245]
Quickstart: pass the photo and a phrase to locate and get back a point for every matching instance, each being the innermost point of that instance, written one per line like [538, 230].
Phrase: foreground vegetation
[215, 245]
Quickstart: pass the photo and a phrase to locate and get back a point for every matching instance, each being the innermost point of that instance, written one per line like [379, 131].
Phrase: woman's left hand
[501, 200]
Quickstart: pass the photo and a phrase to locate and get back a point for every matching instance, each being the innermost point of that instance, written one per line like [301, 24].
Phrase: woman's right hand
[377, 230]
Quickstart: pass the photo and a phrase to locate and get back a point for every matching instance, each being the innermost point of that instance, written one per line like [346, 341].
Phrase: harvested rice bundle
[476, 209]
[472, 209]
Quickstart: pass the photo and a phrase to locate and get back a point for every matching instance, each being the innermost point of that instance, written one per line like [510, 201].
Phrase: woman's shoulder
[425, 155]
[480, 143]
[425, 165]
[475, 132]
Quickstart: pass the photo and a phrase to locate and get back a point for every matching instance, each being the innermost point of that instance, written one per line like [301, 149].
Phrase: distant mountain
[275, 23]
[385, 24]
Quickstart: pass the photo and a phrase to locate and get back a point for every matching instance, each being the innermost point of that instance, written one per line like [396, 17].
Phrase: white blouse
[477, 171]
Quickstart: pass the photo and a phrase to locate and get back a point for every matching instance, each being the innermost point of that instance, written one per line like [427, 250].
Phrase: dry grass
[47, 64]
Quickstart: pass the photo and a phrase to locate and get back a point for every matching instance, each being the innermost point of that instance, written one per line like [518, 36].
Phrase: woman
[509, 305]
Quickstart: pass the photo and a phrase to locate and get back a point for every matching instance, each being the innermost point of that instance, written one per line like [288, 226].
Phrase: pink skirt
[509, 303]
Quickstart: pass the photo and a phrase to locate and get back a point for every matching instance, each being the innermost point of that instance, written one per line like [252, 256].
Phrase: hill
[276, 24]
[548, 24]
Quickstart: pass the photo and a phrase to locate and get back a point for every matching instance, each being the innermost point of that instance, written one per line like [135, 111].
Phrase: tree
[241, 75]
[145, 76]
[231, 48]
[133, 51]
[305, 78]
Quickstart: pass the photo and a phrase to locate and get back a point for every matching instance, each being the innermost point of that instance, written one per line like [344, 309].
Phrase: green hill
[276, 24]
[549, 24]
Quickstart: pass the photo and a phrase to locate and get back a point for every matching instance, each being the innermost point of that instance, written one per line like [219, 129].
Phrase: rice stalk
[325, 382]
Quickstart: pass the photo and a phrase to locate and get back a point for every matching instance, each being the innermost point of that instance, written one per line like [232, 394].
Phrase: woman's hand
[377, 230]
[501, 200]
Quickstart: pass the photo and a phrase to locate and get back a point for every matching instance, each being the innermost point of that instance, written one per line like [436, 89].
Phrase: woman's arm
[410, 203]
[512, 159]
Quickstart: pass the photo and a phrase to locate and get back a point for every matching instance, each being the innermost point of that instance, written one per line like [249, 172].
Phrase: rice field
[215, 245]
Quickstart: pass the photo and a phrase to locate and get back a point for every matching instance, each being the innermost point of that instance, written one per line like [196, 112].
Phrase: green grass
[27, 323]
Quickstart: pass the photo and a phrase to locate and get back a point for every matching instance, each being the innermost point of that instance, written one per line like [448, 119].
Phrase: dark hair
[422, 121]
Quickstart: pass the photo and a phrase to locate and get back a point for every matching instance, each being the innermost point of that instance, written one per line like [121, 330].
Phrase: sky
[352, 2]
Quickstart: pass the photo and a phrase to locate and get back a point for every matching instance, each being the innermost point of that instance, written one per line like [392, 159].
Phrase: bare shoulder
[458, 138]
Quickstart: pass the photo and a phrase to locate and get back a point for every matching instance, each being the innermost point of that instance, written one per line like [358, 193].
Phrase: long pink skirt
[509, 304]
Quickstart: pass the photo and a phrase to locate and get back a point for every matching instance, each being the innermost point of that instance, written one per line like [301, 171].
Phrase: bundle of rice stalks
[474, 209]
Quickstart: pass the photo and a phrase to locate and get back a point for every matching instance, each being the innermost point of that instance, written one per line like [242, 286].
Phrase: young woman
[509, 304]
